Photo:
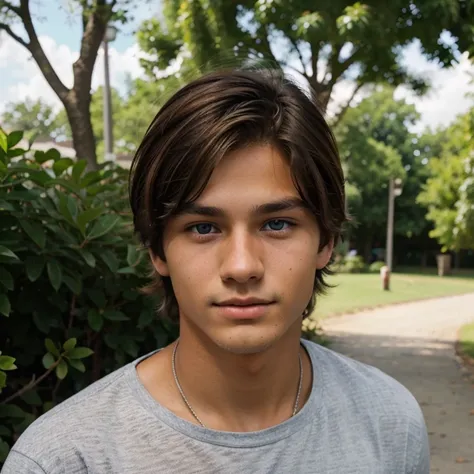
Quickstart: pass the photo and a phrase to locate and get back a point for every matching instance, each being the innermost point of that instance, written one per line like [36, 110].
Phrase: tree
[36, 118]
[449, 191]
[376, 145]
[95, 15]
[325, 42]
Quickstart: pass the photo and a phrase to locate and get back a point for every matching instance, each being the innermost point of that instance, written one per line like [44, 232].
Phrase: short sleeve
[421, 462]
[17, 462]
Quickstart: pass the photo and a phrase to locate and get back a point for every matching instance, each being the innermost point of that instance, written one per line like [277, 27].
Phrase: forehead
[258, 172]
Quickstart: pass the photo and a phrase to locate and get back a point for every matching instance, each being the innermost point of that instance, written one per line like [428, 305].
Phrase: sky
[59, 31]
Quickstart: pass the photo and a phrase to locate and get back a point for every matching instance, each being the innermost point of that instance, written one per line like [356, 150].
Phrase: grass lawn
[359, 291]
[466, 340]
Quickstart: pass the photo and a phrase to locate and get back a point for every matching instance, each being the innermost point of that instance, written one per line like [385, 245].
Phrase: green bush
[70, 269]
[376, 266]
[352, 264]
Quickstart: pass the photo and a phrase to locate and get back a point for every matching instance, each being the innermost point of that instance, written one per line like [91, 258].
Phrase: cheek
[189, 271]
[296, 266]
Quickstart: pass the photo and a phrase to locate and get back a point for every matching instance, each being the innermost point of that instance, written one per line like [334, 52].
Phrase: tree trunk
[367, 248]
[83, 139]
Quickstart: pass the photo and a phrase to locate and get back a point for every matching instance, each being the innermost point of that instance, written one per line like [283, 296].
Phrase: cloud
[447, 97]
[21, 77]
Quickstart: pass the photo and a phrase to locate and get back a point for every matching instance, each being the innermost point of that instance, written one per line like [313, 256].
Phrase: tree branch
[31, 384]
[295, 46]
[11, 7]
[344, 109]
[314, 61]
[94, 25]
[38, 54]
[14, 36]
[344, 66]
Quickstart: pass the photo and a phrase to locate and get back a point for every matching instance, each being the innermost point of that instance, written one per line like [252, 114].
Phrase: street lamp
[110, 35]
[394, 190]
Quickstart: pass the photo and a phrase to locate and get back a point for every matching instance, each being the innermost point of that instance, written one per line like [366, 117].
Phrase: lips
[244, 302]
[244, 308]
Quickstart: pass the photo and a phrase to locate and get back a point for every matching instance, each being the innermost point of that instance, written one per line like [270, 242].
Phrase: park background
[80, 81]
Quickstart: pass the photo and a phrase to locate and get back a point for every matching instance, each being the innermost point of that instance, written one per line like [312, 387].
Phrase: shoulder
[364, 383]
[373, 404]
[50, 442]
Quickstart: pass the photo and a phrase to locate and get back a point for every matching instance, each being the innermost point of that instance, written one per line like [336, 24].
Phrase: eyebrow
[285, 204]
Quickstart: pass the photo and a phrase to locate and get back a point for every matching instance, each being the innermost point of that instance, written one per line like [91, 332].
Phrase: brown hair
[218, 113]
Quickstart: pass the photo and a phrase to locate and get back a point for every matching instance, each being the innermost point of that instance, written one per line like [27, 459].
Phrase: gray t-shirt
[357, 420]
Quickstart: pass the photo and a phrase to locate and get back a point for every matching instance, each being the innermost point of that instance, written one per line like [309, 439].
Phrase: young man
[238, 193]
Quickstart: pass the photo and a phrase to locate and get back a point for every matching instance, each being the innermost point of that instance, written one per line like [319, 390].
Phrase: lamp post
[110, 35]
[394, 190]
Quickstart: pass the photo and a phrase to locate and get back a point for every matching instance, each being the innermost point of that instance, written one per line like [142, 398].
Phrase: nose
[241, 258]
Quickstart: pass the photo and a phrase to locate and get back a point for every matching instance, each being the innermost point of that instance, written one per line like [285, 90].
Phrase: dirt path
[414, 343]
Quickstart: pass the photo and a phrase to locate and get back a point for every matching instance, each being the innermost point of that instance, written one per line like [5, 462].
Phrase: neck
[242, 392]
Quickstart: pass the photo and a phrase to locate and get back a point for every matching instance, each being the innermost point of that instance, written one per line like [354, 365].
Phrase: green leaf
[48, 360]
[147, 315]
[70, 344]
[127, 271]
[39, 177]
[97, 297]
[78, 365]
[88, 257]
[34, 267]
[6, 279]
[35, 231]
[69, 186]
[14, 138]
[32, 398]
[3, 161]
[78, 169]
[7, 363]
[41, 157]
[6, 206]
[11, 411]
[88, 216]
[55, 273]
[51, 347]
[61, 370]
[90, 178]
[7, 253]
[110, 259]
[66, 208]
[5, 306]
[115, 315]
[102, 226]
[80, 353]
[61, 165]
[74, 284]
[4, 431]
[16, 152]
[3, 141]
[3, 384]
[95, 320]
[133, 255]
[53, 154]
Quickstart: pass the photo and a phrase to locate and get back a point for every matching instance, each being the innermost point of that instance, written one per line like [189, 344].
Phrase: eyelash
[204, 236]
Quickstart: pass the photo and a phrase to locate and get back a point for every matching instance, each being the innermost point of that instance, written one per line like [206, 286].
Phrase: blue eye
[203, 229]
[277, 224]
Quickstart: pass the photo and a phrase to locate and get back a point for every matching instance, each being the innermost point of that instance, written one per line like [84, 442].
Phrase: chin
[247, 340]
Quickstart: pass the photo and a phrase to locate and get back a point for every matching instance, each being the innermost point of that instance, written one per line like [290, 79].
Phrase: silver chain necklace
[183, 396]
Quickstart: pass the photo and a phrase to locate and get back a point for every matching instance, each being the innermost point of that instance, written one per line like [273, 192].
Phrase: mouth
[249, 308]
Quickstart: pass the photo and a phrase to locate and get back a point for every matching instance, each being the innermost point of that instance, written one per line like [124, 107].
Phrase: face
[242, 258]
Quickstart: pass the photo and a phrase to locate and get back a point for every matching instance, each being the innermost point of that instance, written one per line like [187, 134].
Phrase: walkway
[414, 343]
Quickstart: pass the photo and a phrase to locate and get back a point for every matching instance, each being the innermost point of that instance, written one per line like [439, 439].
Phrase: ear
[160, 265]
[324, 255]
